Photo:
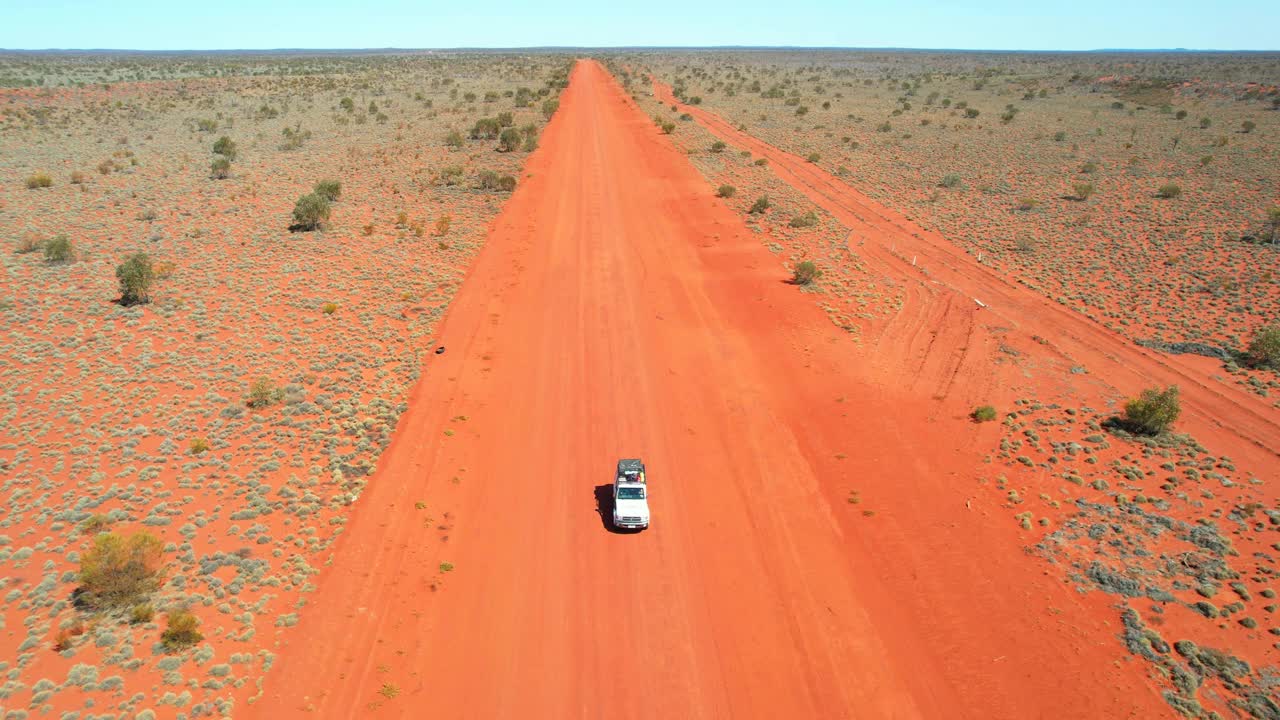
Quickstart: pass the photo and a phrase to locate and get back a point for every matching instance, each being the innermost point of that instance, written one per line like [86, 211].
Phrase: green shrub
[263, 392]
[806, 220]
[668, 127]
[182, 630]
[347, 104]
[718, 146]
[509, 140]
[1168, 191]
[1083, 191]
[485, 129]
[726, 191]
[983, 413]
[805, 273]
[454, 139]
[59, 249]
[505, 120]
[1264, 349]
[330, 190]
[220, 169]
[1181, 114]
[813, 157]
[118, 571]
[39, 180]
[225, 147]
[1205, 123]
[549, 107]
[1247, 126]
[1153, 412]
[136, 276]
[490, 180]
[971, 113]
[950, 180]
[310, 212]
[206, 125]
[759, 206]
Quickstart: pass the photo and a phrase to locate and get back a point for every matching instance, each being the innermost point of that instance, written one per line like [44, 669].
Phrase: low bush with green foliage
[805, 273]
[220, 168]
[330, 190]
[59, 250]
[759, 206]
[226, 147]
[39, 180]
[136, 275]
[182, 630]
[1153, 411]
[726, 191]
[310, 212]
[120, 571]
[263, 392]
[983, 413]
[1264, 349]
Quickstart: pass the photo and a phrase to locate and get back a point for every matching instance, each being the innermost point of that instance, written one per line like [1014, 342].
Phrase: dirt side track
[619, 309]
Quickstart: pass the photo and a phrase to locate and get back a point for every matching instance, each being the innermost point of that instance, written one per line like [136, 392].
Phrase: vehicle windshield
[631, 493]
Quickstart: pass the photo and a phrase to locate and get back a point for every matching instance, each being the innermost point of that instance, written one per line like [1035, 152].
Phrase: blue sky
[994, 24]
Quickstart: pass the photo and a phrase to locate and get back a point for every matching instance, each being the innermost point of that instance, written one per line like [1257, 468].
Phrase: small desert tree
[1264, 349]
[1152, 412]
[330, 190]
[805, 273]
[59, 250]
[136, 276]
[118, 571]
[310, 212]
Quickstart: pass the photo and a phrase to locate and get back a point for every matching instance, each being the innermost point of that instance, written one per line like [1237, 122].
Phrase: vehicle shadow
[604, 506]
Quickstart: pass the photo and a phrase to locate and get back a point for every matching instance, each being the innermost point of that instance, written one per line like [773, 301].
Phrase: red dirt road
[619, 309]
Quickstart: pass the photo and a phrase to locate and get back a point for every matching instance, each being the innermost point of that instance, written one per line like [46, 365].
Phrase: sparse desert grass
[58, 249]
[106, 424]
[39, 180]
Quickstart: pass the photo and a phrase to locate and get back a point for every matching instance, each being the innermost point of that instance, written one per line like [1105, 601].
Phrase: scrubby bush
[1153, 412]
[347, 104]
[1205, 123]
[118, 571]
[263, 392]
[971, 113]
[310, 212]
[983, 413]
[220, 168]
[454, 139]
[1025, 244]
[485, 129]
[58, 249]
[225, 147]
[806, 273]
[78, 178]
[182, 630]
[509, 140]
[490, 180]
[199, 446]
[549, 107]
[505, 120]
[136, 276]
[950, 180]
[141, 613]
[329, 308]
[29, 243]
[1083, 191]
[1264, 349]
[1247, 126]
[1181, 114]
[726, 191]
[1168, 191]
[668, 127]
[450, 175]
[814, 157]
[39, 180]
[759, 206]
[718, 146]
[806, 220]
[206, 125]
[330, 190]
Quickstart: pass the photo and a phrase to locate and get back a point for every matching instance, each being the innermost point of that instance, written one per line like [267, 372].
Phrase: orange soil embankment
[1224, 417]
[619, 309]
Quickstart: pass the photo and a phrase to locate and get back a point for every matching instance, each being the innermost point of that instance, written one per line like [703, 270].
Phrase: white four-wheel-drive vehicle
[630, 496]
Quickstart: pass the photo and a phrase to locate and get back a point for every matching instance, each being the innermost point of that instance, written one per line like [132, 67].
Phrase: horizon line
[613, 48]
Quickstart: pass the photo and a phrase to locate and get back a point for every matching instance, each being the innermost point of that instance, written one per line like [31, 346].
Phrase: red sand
[619, 309]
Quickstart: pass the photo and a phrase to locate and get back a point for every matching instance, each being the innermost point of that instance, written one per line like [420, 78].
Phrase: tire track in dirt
[618, 309]
[1225, 417]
